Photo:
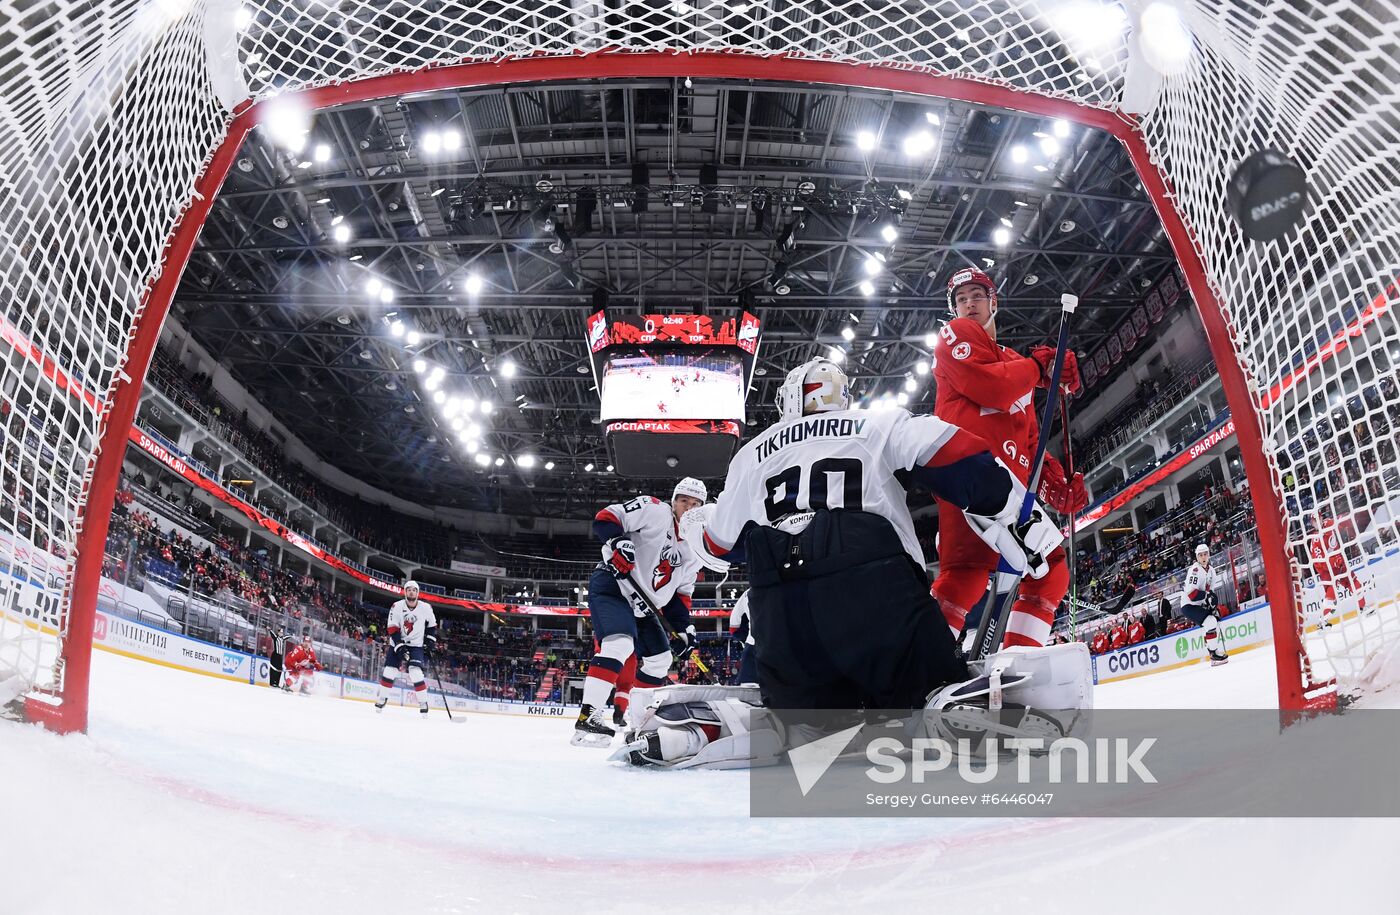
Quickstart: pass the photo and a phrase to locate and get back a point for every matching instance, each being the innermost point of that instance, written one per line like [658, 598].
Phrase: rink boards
[128, 638]
[1244, 631]
[1250, 628]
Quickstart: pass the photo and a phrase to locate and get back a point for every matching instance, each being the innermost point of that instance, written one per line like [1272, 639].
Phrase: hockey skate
[1036, 693]
[619, 718]
[1218, 657]
[380, 703]
[591, 729]
[423, 709]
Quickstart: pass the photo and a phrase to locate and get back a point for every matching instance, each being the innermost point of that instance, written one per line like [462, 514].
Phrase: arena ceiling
[448, 229]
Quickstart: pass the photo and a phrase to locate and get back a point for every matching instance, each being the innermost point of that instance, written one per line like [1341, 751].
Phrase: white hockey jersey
[842, 459]
[411, 624]
[1199, 580]
[666, 565]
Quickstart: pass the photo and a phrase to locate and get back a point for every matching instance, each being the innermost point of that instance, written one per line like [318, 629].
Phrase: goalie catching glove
[692, 531]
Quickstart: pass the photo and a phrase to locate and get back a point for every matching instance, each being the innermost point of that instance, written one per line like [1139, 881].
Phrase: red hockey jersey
[987, 389]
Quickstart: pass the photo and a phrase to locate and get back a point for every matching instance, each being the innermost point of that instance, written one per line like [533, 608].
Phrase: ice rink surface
[191, 794]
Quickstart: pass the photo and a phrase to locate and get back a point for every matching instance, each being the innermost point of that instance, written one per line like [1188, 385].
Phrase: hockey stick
[432, 669]
[989, 629]
[661, 617]
[1069, 546]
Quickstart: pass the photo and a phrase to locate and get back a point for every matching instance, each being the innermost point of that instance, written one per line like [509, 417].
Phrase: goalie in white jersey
[841, 611]
[647, 569]
[412, 633]
[1201, 604]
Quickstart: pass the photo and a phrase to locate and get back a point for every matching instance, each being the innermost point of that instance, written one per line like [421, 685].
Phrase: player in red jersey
[1333, 574]
[301, 666]
[989, 390]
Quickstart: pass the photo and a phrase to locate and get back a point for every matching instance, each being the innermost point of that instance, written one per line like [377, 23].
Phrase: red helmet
[970, 275]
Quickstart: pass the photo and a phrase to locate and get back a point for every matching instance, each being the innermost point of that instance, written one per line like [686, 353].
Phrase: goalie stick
[631, 584]
[989, 629]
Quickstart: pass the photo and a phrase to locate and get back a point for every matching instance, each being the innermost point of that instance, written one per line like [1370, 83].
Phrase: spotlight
[919, 143]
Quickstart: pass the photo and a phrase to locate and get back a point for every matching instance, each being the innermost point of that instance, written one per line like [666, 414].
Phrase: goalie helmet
[691, 487]
[970, 275]
[816, 386]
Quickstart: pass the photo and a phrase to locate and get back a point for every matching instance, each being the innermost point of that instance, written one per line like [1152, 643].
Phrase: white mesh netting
[109, 111]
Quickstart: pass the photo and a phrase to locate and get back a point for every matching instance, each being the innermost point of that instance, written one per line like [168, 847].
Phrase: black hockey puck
[1267, 195]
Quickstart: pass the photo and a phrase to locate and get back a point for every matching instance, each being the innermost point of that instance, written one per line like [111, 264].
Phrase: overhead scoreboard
[672, 389]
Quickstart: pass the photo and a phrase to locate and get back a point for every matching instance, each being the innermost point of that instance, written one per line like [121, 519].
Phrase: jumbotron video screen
[673, 385]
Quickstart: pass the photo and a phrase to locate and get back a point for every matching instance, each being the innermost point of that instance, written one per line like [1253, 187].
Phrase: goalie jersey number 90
[792, 490]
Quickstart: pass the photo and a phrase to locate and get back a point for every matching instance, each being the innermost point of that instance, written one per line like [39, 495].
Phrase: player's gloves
[683, 643]
[1064, 496]
[622, 556]
[1069, 376]
[1212, 601]
[430, 641]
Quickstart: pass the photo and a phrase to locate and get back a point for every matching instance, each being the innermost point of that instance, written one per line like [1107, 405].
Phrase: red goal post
[123, 119]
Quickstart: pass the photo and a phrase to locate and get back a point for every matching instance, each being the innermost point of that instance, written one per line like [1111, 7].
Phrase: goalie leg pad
[702, 727]
[1018, 692]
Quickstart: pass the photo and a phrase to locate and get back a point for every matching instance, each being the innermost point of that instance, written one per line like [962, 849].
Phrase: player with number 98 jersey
[411, 624]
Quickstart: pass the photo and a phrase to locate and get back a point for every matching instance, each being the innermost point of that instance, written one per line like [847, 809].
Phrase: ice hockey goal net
[120, 118]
